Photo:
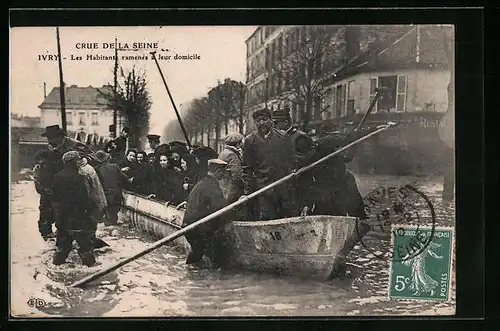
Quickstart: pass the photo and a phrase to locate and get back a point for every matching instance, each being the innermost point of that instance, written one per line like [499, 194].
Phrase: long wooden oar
[221, 211]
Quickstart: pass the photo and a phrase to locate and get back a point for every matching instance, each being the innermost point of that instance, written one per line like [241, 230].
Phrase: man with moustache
[267, 157]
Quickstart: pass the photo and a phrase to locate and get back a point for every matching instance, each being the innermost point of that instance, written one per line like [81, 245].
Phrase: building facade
[88, 112]
[412, 61]
[88, 119]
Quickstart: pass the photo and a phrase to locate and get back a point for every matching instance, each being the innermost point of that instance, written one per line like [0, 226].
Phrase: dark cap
[303, 144]
[153, 137]
[204, 152]
[329, 128]
[53, 131]
[262, 113]
[177, 143]
[162, 149]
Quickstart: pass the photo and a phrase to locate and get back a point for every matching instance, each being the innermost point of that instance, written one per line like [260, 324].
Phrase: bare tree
[299, 71]
[132, 100]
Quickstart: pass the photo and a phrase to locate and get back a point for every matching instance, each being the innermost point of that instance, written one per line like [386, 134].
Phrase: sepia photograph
[215, 171]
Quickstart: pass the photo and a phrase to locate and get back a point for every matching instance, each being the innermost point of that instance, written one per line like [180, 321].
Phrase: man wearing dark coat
[337, 185]
[120, 143]
[59, 144]
[267, 157]
[282, 120]
[73, 212]
[202, 155]
[113, 182]
[204, 199]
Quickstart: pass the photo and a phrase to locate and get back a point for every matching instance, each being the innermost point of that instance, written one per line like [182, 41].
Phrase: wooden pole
[221, 211]
[61, 84]
[115, 83]
[186, 137]
[377, 96]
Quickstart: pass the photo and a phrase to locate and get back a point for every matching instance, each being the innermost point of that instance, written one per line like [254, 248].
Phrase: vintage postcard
[277, 170]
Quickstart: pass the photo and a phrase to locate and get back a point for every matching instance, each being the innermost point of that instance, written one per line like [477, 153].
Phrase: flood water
[160, 284]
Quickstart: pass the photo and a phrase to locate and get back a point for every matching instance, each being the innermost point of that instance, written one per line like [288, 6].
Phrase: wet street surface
[160, 284]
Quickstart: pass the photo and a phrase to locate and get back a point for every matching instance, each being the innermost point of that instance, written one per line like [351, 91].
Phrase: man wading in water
[74, 212]
[204, 199]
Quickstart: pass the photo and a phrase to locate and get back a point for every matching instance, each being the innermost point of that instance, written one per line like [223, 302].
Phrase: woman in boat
[129, 166]
[141, 182]
[206, 198]
[166, 185]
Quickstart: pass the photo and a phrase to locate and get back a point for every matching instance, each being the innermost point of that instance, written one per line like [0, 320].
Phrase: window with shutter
[95, 119]
[401, 94]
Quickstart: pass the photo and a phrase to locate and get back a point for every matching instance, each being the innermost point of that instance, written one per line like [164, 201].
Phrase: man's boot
[60, 256]
[88, 258]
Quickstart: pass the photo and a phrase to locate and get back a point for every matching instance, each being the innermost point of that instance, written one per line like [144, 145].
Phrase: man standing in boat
[204, 199]
[267, 157]
[282, 120]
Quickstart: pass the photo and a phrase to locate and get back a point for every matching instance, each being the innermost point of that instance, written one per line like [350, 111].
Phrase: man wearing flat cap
[267, 157]
[204, 199]
[231, 154]
[154, 141]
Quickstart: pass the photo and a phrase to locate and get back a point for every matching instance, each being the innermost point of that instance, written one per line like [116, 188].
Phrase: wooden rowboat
[298, 246]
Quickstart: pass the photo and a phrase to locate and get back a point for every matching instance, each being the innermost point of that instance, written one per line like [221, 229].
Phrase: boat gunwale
[156, 218]
[239, 223]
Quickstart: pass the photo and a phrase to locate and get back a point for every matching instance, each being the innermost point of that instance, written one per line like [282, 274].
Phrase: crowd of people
[79, 187]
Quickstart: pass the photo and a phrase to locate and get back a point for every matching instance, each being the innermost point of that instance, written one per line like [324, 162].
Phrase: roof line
[258, 28]
[366, 52]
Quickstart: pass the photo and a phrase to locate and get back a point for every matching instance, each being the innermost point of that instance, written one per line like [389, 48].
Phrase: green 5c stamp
[421, 266]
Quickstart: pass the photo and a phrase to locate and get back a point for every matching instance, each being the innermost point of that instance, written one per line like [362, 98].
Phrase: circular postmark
[398, 211]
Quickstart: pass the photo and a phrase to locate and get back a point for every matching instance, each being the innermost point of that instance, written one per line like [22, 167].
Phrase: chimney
[44, 90]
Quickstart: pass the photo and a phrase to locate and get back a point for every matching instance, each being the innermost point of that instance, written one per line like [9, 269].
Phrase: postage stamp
[426, 275]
